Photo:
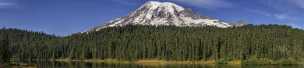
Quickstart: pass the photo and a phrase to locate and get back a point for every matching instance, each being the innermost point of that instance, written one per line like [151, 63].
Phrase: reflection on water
[91, 65]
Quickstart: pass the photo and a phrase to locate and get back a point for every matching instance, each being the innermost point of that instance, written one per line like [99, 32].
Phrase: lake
[100, 65]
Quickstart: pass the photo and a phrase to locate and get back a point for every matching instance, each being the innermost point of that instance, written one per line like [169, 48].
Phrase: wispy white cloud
[298, 3]
[296, 25]
[7, 4]
[284, 17]
[4, 4]
[271, 14]
[282, 10]
[211, 4]
[256, 11]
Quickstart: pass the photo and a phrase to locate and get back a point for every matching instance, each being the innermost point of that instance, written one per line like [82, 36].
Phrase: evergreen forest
[250, 44]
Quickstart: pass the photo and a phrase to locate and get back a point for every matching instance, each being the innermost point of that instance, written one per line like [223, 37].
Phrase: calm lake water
[91, 65]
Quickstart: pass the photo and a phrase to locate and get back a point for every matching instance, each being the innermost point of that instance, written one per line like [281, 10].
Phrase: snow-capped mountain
[157, 13]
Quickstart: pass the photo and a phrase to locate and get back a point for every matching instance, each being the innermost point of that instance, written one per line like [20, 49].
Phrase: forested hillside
[21, 43]
[251, 44]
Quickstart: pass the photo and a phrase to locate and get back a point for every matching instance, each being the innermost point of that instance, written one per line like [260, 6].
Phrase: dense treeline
[15, 43]
[5, 55]
[248, 43]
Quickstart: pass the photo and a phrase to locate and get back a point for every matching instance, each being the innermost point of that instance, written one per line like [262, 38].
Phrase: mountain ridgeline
[154, 13]
[161, 31]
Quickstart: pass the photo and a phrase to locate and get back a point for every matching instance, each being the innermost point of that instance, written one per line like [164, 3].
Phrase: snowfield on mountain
[157, 13]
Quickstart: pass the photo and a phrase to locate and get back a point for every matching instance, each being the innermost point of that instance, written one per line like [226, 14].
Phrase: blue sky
[64, 17]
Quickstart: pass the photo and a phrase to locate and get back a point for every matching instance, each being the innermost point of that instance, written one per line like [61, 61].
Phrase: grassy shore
[146, 61]
[161, 62]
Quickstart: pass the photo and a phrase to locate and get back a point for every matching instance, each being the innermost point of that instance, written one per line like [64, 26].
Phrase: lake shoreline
[144, 62]
[207, 62]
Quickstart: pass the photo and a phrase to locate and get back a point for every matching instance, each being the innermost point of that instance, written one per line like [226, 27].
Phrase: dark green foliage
[4, 49]
[270, 42]
[22, 44]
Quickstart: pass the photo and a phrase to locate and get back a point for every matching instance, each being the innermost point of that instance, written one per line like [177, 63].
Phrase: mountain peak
[157, 4]
[155, 13]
